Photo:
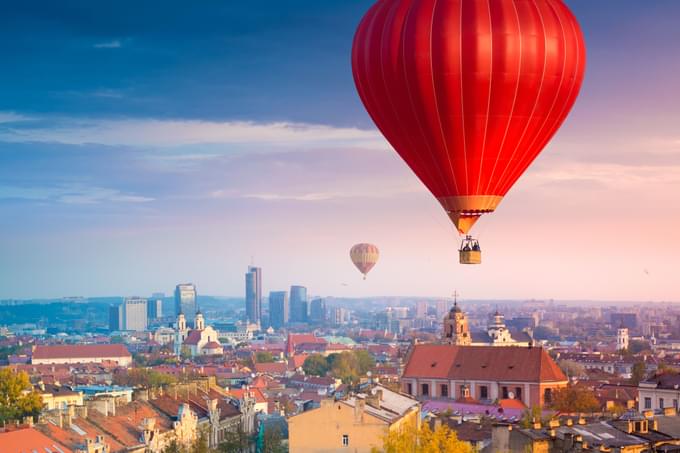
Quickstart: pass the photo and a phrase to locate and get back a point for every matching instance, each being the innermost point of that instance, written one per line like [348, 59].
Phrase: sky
[145, 144]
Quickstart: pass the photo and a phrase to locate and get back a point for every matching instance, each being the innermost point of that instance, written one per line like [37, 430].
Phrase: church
[457, 331]
[201, 340]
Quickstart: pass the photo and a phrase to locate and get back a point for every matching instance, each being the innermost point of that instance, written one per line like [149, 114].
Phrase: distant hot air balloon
[364, 257]
[468, 92]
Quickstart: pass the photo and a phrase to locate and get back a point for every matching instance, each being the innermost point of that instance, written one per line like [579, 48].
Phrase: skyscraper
[278, 309]
[317, 311]
[154, 309]
[185, 300]
[116, 318]
[134, 314]
[298, 304]
[254, 294]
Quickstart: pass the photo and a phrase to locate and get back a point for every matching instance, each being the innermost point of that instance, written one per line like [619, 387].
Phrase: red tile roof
[193, 338]
[27, 440]
[255, 393]
[276, 368]
[80, 351]
[482, 363]
[212, 345]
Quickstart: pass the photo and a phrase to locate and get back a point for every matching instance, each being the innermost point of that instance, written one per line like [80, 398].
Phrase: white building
[622, 339]
[201, 340]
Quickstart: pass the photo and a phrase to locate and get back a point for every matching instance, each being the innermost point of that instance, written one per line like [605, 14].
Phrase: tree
[575, 399]
[234, 441]
[315, 365]
[638, 373]
[264, 357]
[18, 399]
[200, 445]
[572, 369]
[173, 447]
[141, 377]
[531, 415]
[423, 440]
[365, 361]
[272, 440]
[637, 346]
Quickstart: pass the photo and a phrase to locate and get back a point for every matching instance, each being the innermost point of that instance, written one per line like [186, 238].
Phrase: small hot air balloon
[468, 92]
[364, 257]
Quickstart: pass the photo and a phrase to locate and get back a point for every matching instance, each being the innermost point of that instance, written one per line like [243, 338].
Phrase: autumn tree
[315, 365]
[264, 357]
[18, 399]
[575, 399]
[638, 373]
[141, 377]
[424, 440]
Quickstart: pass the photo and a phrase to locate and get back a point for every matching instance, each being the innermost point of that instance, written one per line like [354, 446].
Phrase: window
[484, 392]
[504, 392]
[444, 390]
[518, 393]
[675, 404]
[409, 388]
[425, 390]
[660, 403]
[345, 440]
[547, 395]
[648, 403]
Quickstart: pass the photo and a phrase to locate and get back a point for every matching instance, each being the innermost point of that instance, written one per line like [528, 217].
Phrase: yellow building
[59, 397]
[355, 424]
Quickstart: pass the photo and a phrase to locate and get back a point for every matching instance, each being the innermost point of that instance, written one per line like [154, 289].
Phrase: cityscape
[379, 226]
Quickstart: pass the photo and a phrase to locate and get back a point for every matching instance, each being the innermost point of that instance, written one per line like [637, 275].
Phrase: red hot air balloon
[364, 257]
[468, 92]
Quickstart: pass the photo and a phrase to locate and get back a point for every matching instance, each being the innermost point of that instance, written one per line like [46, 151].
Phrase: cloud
[11, 117]
[70, 194]
[173, 133]
[113, 44]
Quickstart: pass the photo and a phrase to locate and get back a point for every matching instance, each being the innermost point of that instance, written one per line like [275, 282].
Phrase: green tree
[575, 399]
[18, 399]
[235, 442]
[423, 440]
[639, 373]
[272, 441]
[365, 361]
[315, 365]
[531, 415]
[141, 377]
[264, 357]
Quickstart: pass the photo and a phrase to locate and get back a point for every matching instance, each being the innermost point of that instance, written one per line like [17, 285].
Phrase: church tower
[199, 322]
[622, 338]
[456, 330]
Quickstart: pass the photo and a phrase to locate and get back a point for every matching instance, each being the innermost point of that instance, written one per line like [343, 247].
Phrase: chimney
[669, 411]
[581, 420]
[570, 422]
[554, 423]
[536, 425]
[359, 406]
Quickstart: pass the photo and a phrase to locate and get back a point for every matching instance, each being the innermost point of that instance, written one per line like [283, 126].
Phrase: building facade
[185, 300]
[135, 314]
[154, 309]
[317, 311]
[116, 322]
[298, 304]
[659, 392]
[482, 373]
[85, 353]
[254, 295]
[355, 424]
[278, 309]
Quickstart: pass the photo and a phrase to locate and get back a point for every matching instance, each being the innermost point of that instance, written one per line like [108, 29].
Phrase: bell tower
[456, 330]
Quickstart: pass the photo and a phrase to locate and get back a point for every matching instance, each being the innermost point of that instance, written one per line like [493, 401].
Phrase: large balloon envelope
[364, 257]
[468, 92]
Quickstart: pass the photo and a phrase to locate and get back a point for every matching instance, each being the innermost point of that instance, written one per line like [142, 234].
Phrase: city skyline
[162, 139]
